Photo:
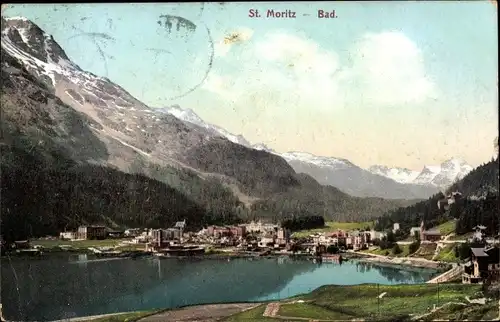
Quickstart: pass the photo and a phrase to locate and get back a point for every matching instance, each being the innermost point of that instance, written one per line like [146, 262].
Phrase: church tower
[422, 229]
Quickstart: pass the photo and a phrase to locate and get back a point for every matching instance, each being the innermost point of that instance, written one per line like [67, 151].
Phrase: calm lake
[63, 286]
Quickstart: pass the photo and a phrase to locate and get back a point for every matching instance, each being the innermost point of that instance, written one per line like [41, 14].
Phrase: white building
[414, 230]
[264, 241]
[395, 227]
[260, 227]
[132, 232]
[323, 239]
[376, 234]
[67, 235]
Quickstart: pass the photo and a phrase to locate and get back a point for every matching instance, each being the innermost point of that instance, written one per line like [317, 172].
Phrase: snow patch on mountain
[263, 147]
[451, 171]
[330, 162]
[188, 115]
[401, 175]
[427, 174]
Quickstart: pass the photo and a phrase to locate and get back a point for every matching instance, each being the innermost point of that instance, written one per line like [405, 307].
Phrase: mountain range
[78, 148]
[376, 181]
[478, 205]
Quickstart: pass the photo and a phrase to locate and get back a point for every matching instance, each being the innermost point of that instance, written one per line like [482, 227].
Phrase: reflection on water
[61, 287]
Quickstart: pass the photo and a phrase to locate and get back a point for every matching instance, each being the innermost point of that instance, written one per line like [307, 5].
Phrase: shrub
[414, 246]
[396, 249]
[332, 249]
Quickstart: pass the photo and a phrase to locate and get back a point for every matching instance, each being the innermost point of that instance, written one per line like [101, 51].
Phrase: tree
[396, 249]
[463, 251]
[414, 246]
[416, 237]
[305, 222]
[384, 243]
[391, 238]
[332, 249]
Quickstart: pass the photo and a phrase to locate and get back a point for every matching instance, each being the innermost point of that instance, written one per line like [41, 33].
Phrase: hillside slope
[479, 205]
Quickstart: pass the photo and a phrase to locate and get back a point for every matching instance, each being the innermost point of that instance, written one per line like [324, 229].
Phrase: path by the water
[202, 313]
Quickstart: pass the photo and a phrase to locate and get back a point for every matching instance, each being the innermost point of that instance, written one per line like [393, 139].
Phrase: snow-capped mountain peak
[263, 147]
[45, 59]
[450, 171]
[440, 176]
[427, 174]
[397, 174]
[188, 115]
[19, 32]
[316, 160]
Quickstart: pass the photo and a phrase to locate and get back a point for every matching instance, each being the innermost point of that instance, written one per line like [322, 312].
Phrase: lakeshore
[417, 302]
[74, 288]
[228, 254]
[404, 261]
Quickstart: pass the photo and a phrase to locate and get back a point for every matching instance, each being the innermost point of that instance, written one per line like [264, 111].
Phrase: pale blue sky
[394, 83]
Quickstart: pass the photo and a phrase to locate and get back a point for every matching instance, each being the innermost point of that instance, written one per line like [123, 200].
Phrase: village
[259, 238]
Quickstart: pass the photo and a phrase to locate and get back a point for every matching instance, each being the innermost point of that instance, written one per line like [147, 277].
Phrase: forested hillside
[37, 201]
[311, 199]
[479, 205]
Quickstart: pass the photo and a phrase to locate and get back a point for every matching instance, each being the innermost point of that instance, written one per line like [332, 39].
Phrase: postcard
[249, 161]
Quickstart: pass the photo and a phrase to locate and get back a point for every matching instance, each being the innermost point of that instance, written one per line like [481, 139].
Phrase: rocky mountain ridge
[376, 181]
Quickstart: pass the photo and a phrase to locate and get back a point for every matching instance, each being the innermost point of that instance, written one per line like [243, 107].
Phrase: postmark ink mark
[158, 51]
[185, 28]
[100, 40]
[201, 10]
[207, 71]
[169, 21]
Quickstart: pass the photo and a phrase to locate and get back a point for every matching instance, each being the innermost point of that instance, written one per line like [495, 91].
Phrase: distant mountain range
[376, 181]
[478, 205]
[440, 176]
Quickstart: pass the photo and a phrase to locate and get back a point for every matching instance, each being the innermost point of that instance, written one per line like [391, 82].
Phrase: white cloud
[390, 70]
[283, 71]
[220, 85]
[291, 72]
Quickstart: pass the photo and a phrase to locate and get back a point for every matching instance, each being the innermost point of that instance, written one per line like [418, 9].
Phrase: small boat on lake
[30, 252]
[175, 251]
[335, 258]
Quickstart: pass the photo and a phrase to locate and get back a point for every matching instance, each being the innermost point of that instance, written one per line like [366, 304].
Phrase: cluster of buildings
[484, 262]
[160, 238]
[86, 232]
[137, 235]
[445, 203]
[425, 235]
[355, 239]
[252, 235]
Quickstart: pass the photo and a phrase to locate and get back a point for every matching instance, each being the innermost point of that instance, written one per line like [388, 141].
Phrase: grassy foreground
[405, 251]
[85, 244]
[398, 303]
[332, 226]
[447, 227]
